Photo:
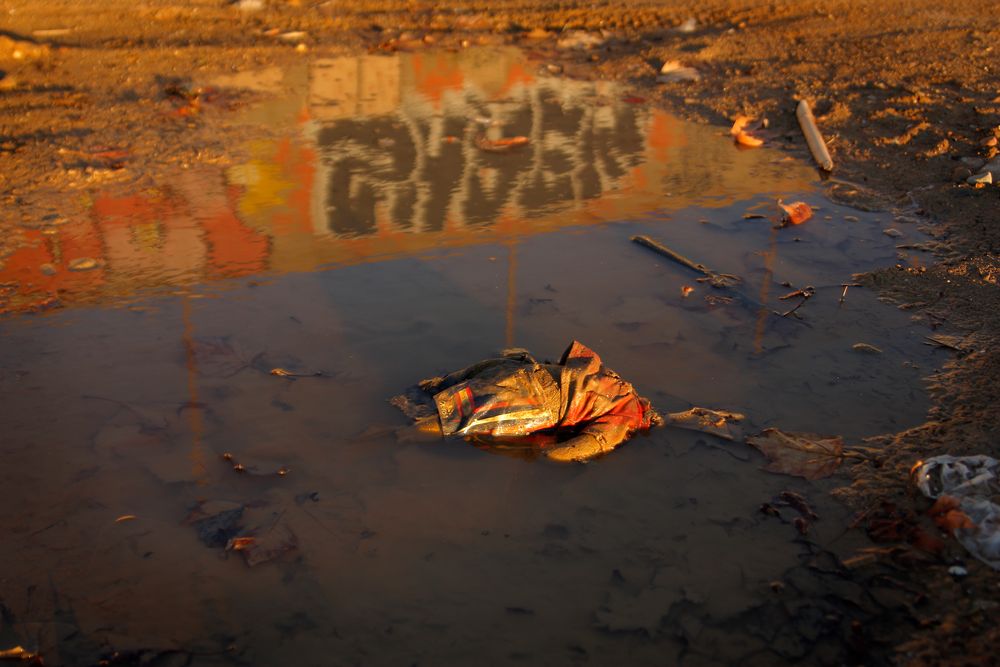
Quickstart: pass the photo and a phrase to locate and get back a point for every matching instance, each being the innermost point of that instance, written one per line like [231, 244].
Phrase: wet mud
[366, 240]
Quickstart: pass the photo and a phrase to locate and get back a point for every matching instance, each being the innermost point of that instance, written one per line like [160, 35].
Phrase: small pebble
[957, 571]
[985, 178]
[960, 174]
[47, 269]
[892, 233]
[989, 141]
[852, 218]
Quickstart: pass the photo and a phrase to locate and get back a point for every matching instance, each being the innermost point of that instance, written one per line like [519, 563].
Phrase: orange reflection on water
[381, 160]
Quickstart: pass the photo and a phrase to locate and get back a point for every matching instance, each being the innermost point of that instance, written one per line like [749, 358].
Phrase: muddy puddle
[375, 242]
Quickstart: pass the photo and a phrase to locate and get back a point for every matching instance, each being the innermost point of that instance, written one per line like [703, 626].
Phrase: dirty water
[374, 243]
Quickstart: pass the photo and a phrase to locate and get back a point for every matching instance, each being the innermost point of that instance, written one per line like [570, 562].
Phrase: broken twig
[805, 293]
[843, 295]
[815, 140]
[720, 280]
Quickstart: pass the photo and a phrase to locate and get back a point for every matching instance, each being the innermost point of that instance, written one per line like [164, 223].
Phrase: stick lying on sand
[815, 140]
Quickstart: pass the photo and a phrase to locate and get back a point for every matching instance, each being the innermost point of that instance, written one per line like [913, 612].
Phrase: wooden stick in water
[714, 279]
[815, 140]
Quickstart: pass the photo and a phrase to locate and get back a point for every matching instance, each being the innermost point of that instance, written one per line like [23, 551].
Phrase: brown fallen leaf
[801, 454]
[795, 213]
[946, 514]
[686, 290]
[501, 145]
[266, 546]
[241, 543]
[739, 123]
[748, 140]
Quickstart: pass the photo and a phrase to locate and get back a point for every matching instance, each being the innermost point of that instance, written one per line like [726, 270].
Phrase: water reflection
[381, 160]
[431, 554]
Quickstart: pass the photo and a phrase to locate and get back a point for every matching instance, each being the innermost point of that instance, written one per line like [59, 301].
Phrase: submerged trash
[515, 396]
[964, 487]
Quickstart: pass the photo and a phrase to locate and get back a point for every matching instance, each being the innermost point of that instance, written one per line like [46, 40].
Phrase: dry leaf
[686, 290]
[946, 514]
[796, 213]
[501, 145]
[748, 140]
[240, 543]
[801, 454]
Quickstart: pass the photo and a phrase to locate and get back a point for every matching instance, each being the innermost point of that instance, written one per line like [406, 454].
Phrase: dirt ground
[908, 97]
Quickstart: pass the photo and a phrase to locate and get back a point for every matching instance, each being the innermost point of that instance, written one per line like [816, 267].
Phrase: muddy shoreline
[909, 100]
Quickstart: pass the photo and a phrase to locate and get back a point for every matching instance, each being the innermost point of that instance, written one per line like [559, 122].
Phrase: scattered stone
[552, 68]
[47, 269]
[982, 178]
[292, 36]
[538, 33]
[892, 232]
[988, 141]
[975, 163]
[852, 218]
[957, 571]
[866, 348]
[960, 174]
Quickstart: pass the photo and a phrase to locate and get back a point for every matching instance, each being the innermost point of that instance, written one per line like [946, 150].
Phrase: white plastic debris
[974, 481]
[958, 476]
[689, 26]
[674, 72]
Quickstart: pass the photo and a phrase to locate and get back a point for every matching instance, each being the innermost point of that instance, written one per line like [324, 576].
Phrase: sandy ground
[909, 99]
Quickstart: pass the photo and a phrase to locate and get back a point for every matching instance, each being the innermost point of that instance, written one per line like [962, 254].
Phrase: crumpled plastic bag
[975, 482]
